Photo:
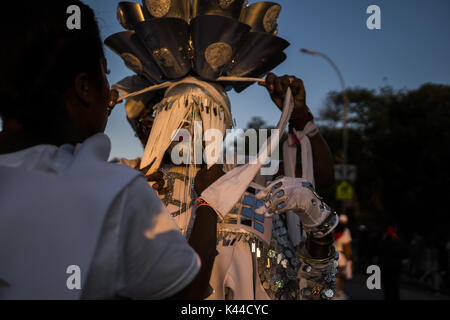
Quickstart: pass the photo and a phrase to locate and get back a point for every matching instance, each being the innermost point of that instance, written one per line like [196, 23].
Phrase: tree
[257, 123]
[399, 141]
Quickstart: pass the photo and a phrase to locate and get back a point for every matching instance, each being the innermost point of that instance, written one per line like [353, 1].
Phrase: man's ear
[82, 88]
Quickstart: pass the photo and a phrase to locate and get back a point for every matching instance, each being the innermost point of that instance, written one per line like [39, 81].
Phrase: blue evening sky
[412, 48]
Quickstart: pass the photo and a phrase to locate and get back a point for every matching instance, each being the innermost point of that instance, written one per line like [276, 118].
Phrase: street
[356, 289]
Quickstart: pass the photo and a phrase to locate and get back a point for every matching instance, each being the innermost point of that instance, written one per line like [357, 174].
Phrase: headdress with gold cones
[199, 41]
[171, 39]
[187, 47]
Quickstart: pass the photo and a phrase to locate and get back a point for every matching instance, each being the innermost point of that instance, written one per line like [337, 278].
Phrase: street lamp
[346, 111]
[346, 103]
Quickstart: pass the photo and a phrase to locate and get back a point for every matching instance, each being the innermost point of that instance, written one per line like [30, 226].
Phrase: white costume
[189, 52]
[67, 206]
[252, 263]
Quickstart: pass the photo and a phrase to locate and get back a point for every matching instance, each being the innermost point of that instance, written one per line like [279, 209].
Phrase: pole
[346, 109]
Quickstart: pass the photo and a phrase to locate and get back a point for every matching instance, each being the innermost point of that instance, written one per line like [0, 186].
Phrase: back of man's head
[40, 58]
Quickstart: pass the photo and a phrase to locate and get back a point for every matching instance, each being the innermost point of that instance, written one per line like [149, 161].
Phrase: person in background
[364, 254]
[417, 256]
[343, 244]
[391, 252]
[435, 264]
[73, 225]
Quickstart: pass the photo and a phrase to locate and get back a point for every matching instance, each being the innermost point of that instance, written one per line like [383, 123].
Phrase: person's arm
[316, 256]
[204, 232]
[347, 246]
[302, 118]
[155, 260]
[203, 241]
[323, 161]
[348, 252]
[203, 238]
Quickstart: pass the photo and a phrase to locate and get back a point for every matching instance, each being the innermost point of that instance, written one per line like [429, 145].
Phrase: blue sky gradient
[412, 48]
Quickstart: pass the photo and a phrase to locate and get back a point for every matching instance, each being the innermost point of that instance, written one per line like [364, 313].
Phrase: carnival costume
[197, 52]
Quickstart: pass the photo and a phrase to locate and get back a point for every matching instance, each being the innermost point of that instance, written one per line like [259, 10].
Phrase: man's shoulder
[132, 163]
[91, 158]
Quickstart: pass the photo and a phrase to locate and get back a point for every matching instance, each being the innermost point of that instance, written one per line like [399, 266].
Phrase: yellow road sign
[344, 191]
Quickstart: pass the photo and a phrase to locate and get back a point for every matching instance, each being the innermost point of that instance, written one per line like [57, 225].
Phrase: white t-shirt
[140, 254]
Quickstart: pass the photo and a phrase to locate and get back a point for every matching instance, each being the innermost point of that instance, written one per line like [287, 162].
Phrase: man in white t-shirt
[73, 225]
[139, 252]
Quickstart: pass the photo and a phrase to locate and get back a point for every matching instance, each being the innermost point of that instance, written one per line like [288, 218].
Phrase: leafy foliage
[400, 142]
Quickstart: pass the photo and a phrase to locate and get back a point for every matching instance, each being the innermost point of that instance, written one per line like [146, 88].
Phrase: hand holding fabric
[277, 86]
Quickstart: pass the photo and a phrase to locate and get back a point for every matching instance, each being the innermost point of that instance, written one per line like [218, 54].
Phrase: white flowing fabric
[169, 121]
[290, 158]
[166, 123]
[234, 183]
[134, 105]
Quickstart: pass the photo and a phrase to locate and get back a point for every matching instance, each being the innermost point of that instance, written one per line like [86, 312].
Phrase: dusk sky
[412, 48]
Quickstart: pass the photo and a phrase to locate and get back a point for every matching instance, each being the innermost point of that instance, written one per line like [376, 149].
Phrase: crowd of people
[405, 259]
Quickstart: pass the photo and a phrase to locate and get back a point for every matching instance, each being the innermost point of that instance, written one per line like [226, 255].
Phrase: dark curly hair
[41, 57]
